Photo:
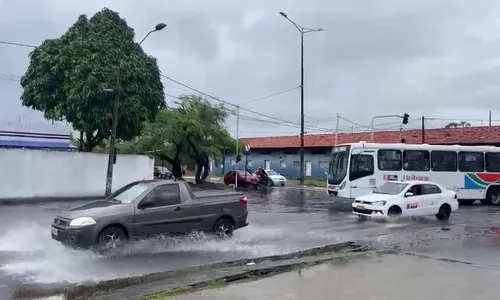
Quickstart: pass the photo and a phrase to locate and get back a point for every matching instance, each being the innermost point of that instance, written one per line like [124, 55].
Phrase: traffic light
[405, 118]
[238, 158]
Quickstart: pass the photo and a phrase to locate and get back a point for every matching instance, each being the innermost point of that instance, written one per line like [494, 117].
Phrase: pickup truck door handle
[178, 208]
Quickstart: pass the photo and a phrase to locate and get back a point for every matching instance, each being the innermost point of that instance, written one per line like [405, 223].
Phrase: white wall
[41, 173]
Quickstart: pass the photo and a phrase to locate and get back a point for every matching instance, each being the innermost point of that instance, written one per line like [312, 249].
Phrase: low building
[35, 136]
[281, 153]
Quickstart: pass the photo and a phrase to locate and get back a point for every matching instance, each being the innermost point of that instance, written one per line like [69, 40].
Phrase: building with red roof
[281, 153]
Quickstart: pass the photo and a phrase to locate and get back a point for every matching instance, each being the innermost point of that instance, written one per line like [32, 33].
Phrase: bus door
[362, 172]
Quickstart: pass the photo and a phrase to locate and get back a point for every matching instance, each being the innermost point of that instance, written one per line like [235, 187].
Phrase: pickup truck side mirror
[408, 194]
[148, 201]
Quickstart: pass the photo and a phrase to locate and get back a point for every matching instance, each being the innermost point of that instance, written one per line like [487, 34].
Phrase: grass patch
[183, 290]
[309, 182]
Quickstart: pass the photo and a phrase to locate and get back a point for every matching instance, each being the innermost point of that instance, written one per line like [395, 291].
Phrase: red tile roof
[464, 135]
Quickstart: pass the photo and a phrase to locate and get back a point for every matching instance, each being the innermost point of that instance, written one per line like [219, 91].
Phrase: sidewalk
[392, 277]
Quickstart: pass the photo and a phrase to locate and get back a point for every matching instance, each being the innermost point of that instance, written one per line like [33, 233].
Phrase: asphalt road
[281, 221]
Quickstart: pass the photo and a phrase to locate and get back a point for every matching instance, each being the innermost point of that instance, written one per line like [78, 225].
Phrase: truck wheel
[223, 227]
[466, 202]
[110, 239]
[444, 212]
[492, 196]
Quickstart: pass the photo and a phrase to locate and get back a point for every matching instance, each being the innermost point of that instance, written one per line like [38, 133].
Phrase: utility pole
[237, 152]
[302, 107]
[114, 121]
[337, 130]
[490, 119]
[423, 130]
[302, 31]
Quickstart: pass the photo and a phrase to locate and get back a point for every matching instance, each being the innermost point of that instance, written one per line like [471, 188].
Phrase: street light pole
[302, 31]
[114, 118]
[237, 146]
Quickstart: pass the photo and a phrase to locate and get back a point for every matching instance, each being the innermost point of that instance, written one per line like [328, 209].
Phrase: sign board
[247, 147]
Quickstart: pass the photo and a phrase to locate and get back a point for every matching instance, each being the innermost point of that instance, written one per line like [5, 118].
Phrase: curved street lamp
[112, 142]
[302, 30]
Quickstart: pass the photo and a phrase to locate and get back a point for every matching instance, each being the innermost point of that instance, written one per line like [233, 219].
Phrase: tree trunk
[176, 168]
[175, 162]
[80, 144]
[206, 168]
[199, 168]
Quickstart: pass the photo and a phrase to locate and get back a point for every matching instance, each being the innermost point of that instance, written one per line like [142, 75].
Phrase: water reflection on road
[281, 220]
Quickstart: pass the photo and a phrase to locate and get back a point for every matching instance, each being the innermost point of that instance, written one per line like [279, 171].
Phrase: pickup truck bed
[215, 195]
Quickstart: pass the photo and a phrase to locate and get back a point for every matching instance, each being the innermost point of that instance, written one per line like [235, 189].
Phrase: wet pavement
[390, 277]
[281, 220]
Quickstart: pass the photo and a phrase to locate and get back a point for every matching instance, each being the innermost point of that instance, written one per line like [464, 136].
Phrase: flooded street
[282, 220]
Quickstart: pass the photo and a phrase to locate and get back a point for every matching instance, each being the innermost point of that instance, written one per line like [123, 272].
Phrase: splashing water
[29, 252]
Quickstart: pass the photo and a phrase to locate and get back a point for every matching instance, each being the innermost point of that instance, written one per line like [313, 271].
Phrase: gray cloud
[425, 57]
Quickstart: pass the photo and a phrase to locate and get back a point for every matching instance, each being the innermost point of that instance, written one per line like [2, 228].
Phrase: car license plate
[361, 207]
[55, 232]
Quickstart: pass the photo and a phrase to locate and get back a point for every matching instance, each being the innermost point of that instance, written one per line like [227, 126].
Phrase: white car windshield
[130, 194]
[271, 172]
[391, 188]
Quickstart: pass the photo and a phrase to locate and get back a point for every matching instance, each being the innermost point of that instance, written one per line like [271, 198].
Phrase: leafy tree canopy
[457, 125]
[192, 131]
[67, 78]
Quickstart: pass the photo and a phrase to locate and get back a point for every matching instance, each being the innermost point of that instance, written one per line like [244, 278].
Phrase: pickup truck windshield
[130, 194]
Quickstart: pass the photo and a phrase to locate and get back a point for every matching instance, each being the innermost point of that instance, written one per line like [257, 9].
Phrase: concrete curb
[39, 200]
[85, 291]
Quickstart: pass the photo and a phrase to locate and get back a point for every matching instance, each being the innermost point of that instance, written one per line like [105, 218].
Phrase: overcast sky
[440, 58]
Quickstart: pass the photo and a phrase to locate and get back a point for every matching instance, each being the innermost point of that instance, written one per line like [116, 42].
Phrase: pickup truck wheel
[223, 227]
[444, 212]
[111, 238]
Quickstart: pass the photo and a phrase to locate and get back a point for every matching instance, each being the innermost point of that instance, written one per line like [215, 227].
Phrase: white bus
[473, 172]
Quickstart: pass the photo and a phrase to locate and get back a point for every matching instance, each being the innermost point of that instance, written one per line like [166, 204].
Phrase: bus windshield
[337, 169]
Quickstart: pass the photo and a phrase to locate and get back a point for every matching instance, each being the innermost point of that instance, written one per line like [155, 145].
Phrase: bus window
[361, 166]
[416, 160]
[470, 161]
[389, 160]
[492, 162]
[444, 161]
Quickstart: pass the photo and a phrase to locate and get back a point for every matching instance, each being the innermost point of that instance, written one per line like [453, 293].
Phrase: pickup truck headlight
[82, 221]
[379, 203]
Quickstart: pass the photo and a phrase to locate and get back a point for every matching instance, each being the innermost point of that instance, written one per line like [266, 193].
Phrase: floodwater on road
[281, 221]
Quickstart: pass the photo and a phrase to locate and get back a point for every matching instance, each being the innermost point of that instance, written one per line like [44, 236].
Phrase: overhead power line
[17, 44]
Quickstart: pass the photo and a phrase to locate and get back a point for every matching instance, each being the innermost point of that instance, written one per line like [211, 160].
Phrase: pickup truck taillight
[244, 200]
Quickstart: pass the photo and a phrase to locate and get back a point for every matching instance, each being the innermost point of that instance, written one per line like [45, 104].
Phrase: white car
[407, 198]
[276, 178]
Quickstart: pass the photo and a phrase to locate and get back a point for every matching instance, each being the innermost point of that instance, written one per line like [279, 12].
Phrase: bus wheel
[492, 196]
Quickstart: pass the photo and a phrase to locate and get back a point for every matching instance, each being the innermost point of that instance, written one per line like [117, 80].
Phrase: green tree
[164, 138]
[457, 125]
[193, 131]
[207, 136]
[70, 77]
